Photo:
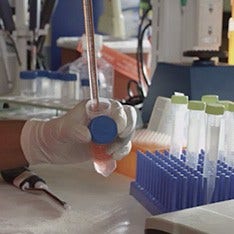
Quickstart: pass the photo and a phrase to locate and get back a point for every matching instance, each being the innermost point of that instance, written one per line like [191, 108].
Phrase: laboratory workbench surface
[98, 204]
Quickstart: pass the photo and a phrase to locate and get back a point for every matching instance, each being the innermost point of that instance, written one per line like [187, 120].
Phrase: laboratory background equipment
[105, 71]
[24, 26]
[74, 27]
[195, 25]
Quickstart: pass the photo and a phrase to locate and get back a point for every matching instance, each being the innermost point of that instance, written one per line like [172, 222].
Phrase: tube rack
[165, 183]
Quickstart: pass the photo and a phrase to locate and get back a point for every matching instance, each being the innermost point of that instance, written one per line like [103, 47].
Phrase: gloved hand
[67, 139]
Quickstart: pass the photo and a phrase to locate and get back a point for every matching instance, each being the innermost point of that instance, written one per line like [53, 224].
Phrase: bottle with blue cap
[54, 88]
[103, 131]
[42, 83]
[28, 83]
[68, 86]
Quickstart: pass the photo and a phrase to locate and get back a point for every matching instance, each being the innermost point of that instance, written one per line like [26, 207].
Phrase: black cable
[139, 97]
[141, 56]
[138, 44]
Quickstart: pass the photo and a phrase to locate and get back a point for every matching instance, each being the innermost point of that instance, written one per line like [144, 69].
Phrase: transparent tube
[178, 138]
[103, 163]
[211, 152]
[230, 140]
[224, 125]
[196, 136]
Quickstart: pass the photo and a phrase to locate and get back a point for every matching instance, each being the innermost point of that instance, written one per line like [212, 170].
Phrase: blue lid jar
[28, 75]
[42, 73]
[67, 77]
[53, 75]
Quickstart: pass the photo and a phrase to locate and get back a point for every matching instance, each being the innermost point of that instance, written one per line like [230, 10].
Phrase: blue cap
[103, 129]
[28, 75]
[54, 75]
[42, 73]
[84, 82]
[67, 77]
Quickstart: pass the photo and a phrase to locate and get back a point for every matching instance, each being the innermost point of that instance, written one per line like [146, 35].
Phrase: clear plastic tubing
[214, 113]
[196, 132]
[103, 131]
[230, 135]
[178, 137]
[223, 131]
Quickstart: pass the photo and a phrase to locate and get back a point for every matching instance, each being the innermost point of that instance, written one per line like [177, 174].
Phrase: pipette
[50, 194]
[103, 128]
[92, 66]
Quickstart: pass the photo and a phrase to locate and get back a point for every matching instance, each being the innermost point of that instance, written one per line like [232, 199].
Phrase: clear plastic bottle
[224, 125]
[103, 130]
[68, 86]
[53, 88]
[105, 71]
[28, 83]
[42, 76]
[179, 126]
[214, 114]
[230, 136]
[196, 132]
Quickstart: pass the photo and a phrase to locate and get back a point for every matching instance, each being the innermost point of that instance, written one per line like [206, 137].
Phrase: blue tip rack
[165, 183]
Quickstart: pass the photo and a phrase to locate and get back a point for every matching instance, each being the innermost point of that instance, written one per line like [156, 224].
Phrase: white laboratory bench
[98, 204]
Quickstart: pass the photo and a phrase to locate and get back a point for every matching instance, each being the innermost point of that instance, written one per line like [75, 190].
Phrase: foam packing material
[98, 204]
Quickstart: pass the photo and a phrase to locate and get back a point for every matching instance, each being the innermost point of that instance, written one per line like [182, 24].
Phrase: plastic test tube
[179, 110]
[103, 129]
[223, 131]
[230, 136]
[214, 114]
[196, 132]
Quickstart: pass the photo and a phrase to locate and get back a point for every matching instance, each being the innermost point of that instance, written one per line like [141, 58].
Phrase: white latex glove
[67, 139]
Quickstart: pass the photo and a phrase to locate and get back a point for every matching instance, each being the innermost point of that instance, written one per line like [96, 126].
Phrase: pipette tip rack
[165, 183]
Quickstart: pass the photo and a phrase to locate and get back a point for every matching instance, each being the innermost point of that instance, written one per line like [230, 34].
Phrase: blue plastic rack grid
[165, 183]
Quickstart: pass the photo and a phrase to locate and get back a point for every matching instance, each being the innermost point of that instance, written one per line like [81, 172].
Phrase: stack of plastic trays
[165, 184]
